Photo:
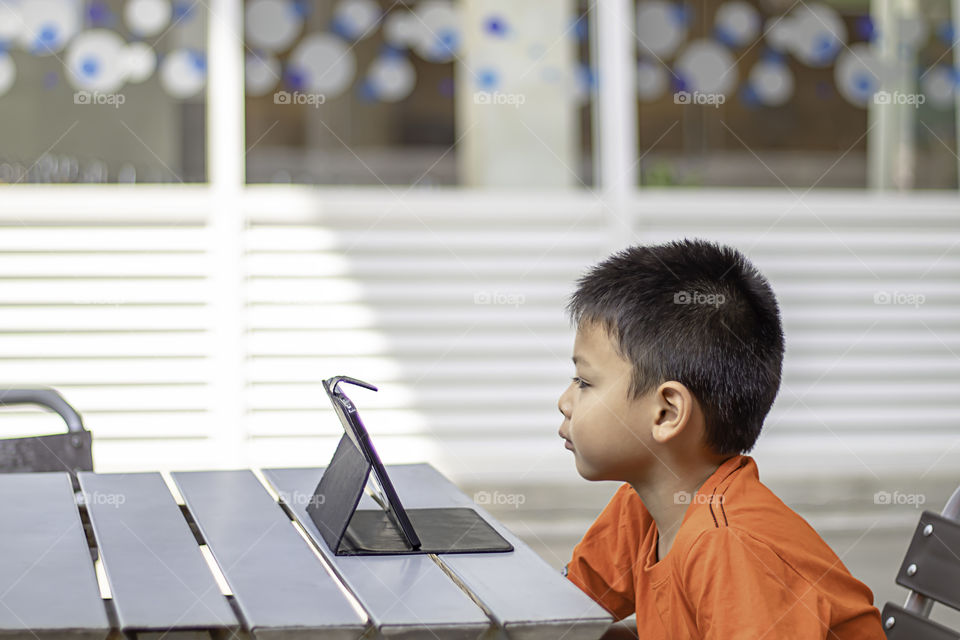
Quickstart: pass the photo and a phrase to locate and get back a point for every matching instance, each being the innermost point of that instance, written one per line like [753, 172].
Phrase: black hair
[698, 313]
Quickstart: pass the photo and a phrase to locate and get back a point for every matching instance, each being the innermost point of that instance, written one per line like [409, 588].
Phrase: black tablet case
[349, 531]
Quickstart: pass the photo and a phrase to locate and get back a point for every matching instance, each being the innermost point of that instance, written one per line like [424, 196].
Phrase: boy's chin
[593, 474]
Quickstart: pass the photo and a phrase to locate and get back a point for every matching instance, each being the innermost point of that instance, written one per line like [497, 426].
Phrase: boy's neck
[659, 492]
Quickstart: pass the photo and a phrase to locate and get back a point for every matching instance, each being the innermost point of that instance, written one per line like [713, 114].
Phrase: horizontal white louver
[452, 302]
[453, 306]
[870, 387]
[112, 311]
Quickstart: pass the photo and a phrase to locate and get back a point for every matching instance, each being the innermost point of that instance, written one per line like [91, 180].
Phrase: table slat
[157, 575]
[48, 587]
[280, 586]
[404, 594]
[527, 597]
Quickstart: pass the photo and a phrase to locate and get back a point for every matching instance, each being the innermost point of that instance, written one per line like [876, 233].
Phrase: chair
[70, 452]
[931, 570]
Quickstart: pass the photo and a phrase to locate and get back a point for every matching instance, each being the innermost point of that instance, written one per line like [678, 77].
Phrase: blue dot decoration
[388, 51]
[581, 30]
[863, 83]
[90, 67]
[199, 60]
[772, 55]
[294, 78]
[343, 29]
[487, 79]
[366, 92]
[724, 37]
[681, 14]
[587, 77]
[864, 28]
[448, 40]
[945, 32]
[47, 36]
[182, 12]
[446, 88]
[677, 83]
[749, 98]
[302, 8]
[100, 15]
[826, 47]
[496, 26]
[48, 33]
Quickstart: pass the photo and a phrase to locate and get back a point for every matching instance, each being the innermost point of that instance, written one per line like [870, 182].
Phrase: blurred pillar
[515, 84]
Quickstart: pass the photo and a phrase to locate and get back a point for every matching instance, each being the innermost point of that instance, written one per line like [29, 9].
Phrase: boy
[678, 357]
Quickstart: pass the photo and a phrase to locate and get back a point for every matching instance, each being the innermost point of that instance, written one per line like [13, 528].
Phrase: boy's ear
[673, 403]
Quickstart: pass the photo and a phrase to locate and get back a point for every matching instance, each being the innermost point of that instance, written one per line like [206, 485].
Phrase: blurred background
[211, 206]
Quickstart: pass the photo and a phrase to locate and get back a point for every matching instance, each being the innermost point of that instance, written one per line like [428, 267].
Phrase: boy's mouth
[568, 444]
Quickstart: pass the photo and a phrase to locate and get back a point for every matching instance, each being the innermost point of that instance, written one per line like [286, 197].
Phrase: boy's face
[608, 430]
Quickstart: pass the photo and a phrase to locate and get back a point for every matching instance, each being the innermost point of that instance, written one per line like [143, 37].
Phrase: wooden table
[281, 580]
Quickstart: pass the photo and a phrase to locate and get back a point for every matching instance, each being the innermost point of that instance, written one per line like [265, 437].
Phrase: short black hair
[698, 313]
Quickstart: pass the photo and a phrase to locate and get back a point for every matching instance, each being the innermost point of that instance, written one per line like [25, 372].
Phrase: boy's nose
[564, 403]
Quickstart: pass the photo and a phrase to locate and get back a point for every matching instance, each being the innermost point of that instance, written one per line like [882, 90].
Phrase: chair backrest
[931, 570]
[70, 451]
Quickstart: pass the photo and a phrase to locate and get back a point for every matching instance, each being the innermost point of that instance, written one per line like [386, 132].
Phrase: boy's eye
[580, 382]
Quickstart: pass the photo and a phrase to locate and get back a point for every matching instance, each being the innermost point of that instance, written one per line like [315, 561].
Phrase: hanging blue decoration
[487, 79]
[864, 28]
[496, 26]
[100, 15]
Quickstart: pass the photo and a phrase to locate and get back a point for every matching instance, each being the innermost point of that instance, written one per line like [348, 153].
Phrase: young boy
[678, 357]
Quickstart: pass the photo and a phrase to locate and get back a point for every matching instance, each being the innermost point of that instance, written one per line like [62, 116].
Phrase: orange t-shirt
[743, 565]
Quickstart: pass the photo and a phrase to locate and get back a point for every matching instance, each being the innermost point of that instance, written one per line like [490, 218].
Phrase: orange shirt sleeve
[739, 588]
[602, 562]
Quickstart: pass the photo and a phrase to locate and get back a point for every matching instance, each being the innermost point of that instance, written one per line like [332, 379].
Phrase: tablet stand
[391, 529]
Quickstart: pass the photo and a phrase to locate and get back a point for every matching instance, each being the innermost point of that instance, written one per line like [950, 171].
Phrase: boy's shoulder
[736, 509]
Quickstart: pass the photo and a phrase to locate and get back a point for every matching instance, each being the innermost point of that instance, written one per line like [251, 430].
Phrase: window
[771, 93]
[102, 91]
[431, 93]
